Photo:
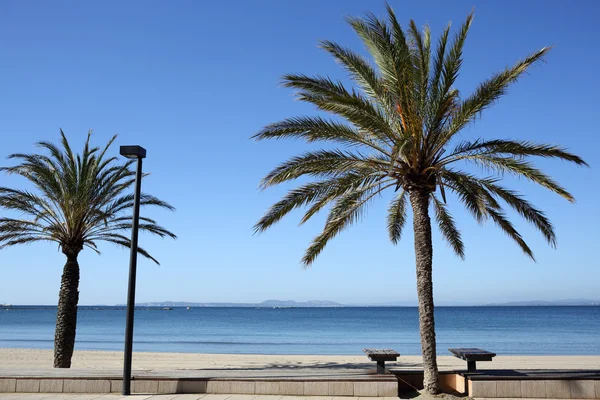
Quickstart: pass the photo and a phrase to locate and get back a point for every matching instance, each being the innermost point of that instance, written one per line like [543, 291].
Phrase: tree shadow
[319, 365]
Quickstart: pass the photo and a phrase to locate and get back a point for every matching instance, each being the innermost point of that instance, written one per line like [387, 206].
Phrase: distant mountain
[265, 304]
[189, 304]
[323, 303]
[291, 303]
[569, 302]
[390, 304]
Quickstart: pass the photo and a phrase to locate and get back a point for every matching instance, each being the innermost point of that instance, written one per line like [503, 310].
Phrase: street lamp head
[133, 151]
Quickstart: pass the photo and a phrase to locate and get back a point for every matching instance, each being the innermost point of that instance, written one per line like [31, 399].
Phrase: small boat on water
[188, 308]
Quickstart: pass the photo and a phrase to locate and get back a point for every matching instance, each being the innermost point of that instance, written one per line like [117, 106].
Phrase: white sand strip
[85, 359]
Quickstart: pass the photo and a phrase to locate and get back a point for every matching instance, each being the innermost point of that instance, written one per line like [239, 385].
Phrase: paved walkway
[50, 396]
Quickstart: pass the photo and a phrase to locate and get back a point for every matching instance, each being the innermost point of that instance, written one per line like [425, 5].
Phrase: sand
[40, 359]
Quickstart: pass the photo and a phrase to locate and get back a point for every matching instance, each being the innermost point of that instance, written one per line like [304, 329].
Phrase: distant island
[570, 302]
[161, 305]
[322, 303]
[264, 304]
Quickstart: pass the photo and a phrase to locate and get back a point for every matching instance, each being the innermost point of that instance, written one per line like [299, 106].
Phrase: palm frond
[520, 168]
[318, 129]
[448, 228]
[516, 148]
[453, 59]
[125, 242]
[422, 60]
[480, 192]
[525, 209]
[8, 242]
[322, 163]
[435, 85]
[333, 97]
[504, 224]
[473, 196]
[365, 76]
[396, 217]
[489, 92]
[317, 193]
[388, 49]
[356, 180]
[514, 200]
[346, 211]
[444, 97]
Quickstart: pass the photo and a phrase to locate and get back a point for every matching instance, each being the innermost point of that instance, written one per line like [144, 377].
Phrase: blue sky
[191, 81]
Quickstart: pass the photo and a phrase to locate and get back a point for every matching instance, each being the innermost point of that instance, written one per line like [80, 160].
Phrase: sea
[547, 330]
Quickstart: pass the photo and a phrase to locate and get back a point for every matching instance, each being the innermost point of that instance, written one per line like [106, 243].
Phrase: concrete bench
[471, 356]
[381, 356]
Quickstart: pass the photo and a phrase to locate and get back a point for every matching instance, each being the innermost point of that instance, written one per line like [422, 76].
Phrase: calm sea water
[505, 330]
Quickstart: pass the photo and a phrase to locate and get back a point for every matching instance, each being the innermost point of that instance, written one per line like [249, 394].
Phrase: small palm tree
[399, 127]
[82, 199]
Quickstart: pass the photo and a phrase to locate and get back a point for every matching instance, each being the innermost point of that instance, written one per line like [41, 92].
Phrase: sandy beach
[39, 359]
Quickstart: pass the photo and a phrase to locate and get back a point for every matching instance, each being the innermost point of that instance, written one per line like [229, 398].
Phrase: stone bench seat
[471, 356]
[381, 356]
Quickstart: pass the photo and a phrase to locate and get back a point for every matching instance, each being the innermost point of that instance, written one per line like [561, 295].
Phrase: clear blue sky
[192, 80]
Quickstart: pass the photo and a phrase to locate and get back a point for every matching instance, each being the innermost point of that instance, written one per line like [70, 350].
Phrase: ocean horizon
[506, 330]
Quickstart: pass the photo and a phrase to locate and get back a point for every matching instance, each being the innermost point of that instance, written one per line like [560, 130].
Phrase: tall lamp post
[139, 153]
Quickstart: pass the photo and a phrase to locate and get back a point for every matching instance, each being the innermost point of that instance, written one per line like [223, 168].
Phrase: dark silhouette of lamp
[138, 153]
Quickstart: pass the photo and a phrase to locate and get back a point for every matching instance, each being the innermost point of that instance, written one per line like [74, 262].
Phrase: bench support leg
[471, 366]
[381, 367]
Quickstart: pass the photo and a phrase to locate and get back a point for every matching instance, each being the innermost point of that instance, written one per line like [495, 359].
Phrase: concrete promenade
[41, 396]
[28, 374]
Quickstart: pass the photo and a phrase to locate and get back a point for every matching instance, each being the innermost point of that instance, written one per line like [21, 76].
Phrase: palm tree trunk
[66, 317]
[424, 260]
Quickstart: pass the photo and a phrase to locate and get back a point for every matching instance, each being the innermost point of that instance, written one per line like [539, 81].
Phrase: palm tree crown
[399, 126]
[81, 200]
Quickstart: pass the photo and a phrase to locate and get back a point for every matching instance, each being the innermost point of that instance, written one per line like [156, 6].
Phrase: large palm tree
[398, 127]
[81, 199]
